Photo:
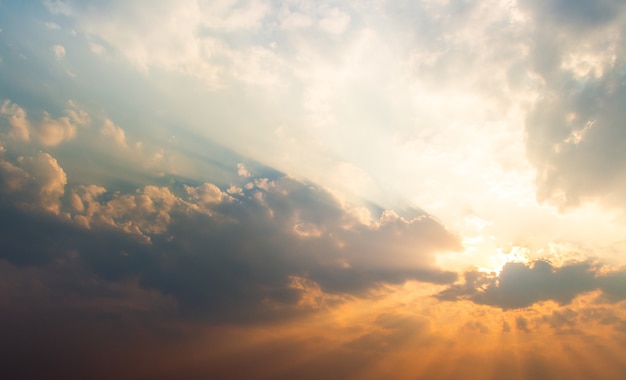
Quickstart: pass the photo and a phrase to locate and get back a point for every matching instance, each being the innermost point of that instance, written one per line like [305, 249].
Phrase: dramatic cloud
[220, 254]
[244, 189]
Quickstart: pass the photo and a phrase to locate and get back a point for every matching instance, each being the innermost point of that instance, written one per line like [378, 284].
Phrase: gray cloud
[575, 133]
[576, 14]
[520, 285]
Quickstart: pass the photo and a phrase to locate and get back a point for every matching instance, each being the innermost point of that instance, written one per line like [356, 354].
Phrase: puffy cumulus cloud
[242, 171]
[49, 131]
[146, 212]
[17, 120]
[519, 285]
[205, 194]
[113, 132]
[53, 131]
[39, 181]
[575, 131]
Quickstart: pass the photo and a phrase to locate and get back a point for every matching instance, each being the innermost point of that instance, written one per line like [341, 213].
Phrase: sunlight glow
[517, 254]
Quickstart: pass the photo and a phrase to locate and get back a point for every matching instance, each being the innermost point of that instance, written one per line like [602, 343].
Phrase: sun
[516, 254]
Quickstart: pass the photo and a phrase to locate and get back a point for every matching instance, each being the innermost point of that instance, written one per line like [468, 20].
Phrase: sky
[252, 189]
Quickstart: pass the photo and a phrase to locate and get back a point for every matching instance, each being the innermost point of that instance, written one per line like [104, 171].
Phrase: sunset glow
[260, 189]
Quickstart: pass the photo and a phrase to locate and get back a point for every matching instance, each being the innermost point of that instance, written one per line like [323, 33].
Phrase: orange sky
[429, 189]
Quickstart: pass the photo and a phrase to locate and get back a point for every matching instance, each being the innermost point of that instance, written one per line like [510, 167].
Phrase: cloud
[17, 120]
[58, 51]
[185, 40]
[113, 132]
[575, 134]
[49, 131]
[520, 285]
[39, 181]
[242, 171]
[579, 15]
[246, 252]
[264, 249]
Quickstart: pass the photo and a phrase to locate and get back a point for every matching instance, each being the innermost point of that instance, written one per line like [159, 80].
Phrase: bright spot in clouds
[381, 189]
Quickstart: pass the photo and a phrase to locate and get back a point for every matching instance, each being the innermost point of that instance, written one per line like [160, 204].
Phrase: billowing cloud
[39, 181]
[53, 131]
[50, 131]
[17, 120]
[220, 254]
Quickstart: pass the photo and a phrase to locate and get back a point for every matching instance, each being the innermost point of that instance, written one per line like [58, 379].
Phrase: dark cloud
[94, 280]
[246, 257]
[520, 285]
